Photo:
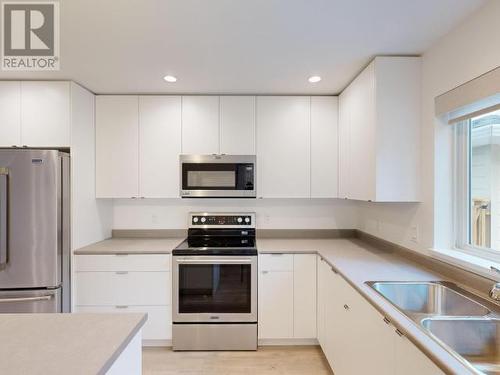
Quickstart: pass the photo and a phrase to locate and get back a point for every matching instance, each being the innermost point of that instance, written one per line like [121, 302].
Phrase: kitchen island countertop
[64, 343]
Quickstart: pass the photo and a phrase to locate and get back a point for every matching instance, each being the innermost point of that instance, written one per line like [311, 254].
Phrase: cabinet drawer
[276, 262]
[123, 262]
[123, 288]
[157, 327]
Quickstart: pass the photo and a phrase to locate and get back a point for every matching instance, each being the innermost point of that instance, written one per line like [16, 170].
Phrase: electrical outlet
[414, 233]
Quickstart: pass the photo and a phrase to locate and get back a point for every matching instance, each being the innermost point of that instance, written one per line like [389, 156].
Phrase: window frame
[462, 199]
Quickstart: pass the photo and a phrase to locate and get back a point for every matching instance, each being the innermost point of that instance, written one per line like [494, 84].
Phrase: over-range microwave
[218, 176]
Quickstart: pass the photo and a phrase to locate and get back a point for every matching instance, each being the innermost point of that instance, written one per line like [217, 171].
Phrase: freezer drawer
[30, 301]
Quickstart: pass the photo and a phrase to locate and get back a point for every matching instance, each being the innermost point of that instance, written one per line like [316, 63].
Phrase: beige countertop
[359, 262]
[64, 343]
[131, 246]
[354, 259]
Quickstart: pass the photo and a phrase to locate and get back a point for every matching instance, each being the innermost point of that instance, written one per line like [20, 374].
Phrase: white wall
[271, 213]
[91, 219]
[465, 53]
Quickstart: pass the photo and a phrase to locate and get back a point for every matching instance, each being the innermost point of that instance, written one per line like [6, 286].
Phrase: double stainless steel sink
[464, 324]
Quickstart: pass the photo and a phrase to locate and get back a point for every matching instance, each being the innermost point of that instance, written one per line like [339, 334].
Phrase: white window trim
[461, 203]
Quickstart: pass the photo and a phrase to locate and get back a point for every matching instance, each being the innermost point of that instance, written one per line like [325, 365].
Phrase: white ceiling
[239, 46]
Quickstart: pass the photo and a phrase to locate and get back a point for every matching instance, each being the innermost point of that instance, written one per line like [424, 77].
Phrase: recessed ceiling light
[170, 79]
[314, 79]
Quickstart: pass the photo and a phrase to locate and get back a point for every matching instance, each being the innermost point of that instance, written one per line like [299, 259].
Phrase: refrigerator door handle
[26, 299]
[4, 217]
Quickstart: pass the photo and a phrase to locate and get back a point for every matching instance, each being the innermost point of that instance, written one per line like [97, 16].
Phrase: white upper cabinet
[380, 132]
[10, 109]
[344, 143]
[237, 125]
[117, 146]
[324, 147]
[45, 114]
[283, 147]
[200, 125]
[362, 153]
[159, 146]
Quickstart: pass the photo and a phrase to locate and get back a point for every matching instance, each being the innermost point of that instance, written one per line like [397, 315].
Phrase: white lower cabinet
[276, 304]
[354, 336]
[409, 360]
[127, 283]
[287, 296]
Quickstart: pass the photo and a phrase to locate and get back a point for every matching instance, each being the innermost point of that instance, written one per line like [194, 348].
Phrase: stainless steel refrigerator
[34, 231]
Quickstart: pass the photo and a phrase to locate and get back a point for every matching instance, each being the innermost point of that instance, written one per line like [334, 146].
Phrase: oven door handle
[214, 261]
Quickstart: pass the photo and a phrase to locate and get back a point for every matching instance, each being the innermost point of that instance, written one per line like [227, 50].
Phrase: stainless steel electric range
[215, 284]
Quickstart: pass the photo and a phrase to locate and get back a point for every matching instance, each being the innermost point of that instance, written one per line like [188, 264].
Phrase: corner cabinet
[349, 325]
[287, 298]
[379, 132]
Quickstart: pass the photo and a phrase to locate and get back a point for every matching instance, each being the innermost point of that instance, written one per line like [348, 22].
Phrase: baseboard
[288, 342]
[149, 343]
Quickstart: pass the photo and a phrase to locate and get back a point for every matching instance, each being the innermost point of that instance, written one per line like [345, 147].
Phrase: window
[478, 185]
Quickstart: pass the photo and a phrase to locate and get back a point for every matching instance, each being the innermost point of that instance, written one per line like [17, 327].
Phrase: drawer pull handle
[400, 334]
[121, 306]
[386, 321]
[121, 272]
[264, 272]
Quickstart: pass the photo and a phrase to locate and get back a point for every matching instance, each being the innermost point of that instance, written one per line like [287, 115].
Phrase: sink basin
[476, 340]
[430, 298]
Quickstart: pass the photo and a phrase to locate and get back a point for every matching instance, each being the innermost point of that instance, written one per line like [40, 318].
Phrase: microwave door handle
[4, 217]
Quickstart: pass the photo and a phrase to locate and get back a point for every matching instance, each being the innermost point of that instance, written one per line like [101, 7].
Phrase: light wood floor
[285, 360]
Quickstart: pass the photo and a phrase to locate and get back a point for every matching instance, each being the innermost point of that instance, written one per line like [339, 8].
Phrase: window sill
[468, 262]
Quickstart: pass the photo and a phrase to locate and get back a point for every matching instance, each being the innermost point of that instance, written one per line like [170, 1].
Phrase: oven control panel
[222, 220]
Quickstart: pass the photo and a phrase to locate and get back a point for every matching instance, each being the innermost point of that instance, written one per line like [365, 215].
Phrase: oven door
[217, 176]
[214, 289]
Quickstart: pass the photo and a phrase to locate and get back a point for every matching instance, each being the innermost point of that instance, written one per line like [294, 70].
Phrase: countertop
[64, 343]
[131, 246]
[359, 262]
[354, 259]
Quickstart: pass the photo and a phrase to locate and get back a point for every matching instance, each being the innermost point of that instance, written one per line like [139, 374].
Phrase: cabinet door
[117, 146]
[362, 137]
[237, 125]
[370, 335]
[344, 142]
[10, 108]
[283, 146]
[275, 304]
[200, 125]
[337, 337]
[304, 296]
[409, 360]
[45, 114]
[324, 147]
[159, 146]
[323, 269]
